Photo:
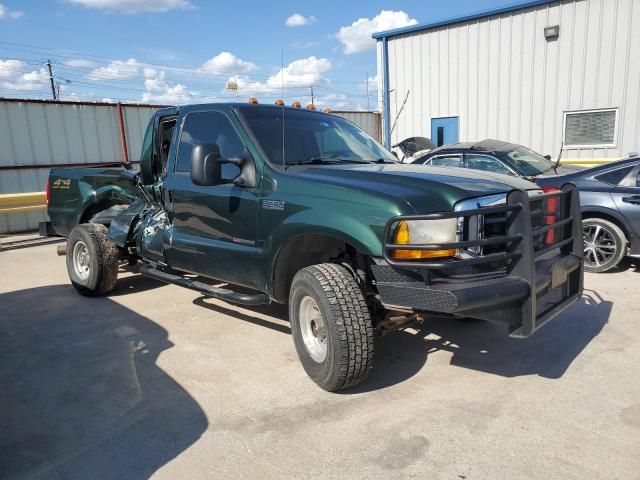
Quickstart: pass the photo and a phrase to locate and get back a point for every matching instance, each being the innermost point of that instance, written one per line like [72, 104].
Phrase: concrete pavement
[157, 381]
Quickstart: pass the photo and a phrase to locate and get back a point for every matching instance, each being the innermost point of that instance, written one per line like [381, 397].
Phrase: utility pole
[366, 82]
[311, 87]
[53, 87]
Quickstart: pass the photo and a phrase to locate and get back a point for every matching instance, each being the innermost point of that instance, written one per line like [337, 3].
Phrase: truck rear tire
[331, 326]
[92, 260]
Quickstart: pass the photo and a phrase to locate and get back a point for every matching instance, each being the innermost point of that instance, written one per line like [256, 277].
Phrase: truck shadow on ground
[82, 396]
[486, 346]
[274, 310]
[477, 345]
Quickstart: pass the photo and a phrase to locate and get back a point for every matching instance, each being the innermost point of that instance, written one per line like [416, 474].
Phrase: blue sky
[186, 51]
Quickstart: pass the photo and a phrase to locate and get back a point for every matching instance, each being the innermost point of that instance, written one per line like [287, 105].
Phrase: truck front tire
[331, 326]
[92, 260]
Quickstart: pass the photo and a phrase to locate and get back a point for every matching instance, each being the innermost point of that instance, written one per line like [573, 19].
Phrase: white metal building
[542, 73]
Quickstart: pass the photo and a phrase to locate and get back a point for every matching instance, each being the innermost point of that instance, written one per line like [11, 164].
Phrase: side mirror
[548, 157]
[206, 168]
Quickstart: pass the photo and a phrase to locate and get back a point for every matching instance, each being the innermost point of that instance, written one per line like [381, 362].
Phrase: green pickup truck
[296, 206]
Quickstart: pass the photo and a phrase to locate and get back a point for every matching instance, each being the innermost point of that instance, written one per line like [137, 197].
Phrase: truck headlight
[420, 232]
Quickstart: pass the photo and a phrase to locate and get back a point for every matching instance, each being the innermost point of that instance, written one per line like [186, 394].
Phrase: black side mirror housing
[548, 157]
[206, 168]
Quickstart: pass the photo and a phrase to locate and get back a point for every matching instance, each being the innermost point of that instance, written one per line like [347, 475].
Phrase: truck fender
[105, 195]
[339, 227]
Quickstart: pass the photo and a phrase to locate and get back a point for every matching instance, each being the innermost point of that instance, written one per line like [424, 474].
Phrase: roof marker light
[296, 104]
[280, 102]
[311, 106]
[253, 100]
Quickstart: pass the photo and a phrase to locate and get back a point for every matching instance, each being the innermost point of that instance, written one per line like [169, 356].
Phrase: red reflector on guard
[552, 210]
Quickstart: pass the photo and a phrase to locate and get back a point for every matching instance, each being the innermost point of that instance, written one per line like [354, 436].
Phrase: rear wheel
[604, 244]
[92, 260]
[331, 326]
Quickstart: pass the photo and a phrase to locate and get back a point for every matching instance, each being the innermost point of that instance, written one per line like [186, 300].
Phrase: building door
[444, 130]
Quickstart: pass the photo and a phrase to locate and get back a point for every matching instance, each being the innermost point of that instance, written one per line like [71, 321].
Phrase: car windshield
[311, 137]
[527, 162]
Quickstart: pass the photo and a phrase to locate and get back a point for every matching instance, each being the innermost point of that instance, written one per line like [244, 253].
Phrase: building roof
[514, 7]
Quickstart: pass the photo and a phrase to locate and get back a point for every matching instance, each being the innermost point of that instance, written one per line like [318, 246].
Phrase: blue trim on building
[385, 93]
[465, 18]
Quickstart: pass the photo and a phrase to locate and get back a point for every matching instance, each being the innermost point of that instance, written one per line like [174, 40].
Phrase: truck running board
[219, 293]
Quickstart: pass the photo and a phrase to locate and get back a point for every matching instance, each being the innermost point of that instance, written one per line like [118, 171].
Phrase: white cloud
[7, 13]
[297, 20]
[309, 44]
[356, 38]
[80, 63]
[158, 90]
[116, 70]
[10, 68]
[299, 73]
[303, 72]
[135, 6]
[14, 77]
[334, 101]
[373, 84]
[226, 63]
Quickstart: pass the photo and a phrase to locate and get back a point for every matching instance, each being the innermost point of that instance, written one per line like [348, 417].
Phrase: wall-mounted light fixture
[552, 32]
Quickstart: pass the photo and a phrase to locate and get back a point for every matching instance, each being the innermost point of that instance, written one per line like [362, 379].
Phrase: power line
[204, 82]
[109, 60]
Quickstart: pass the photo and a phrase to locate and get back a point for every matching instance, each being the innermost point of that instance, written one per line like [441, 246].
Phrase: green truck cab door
[213, 229]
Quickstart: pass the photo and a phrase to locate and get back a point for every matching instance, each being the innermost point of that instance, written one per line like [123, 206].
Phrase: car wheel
[92, 260]
[605, 244]
[331, 326]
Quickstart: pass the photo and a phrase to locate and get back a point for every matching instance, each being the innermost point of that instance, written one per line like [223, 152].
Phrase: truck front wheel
[331, 326]
[92, 260]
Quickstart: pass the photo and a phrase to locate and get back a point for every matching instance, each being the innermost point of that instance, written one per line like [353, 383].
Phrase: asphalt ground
[158, 381]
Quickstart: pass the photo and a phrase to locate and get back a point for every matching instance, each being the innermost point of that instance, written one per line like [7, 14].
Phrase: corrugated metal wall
[370, 122]
[44, 134]
[41, 134]
[504, 80]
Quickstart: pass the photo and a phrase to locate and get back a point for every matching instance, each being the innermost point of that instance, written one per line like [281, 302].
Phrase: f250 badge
[62, 184]
[272, 205]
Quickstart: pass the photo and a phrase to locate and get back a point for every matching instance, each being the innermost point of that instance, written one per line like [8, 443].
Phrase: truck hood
[424, 188]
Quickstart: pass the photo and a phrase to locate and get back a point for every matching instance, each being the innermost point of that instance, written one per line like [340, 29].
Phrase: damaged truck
[289, 205]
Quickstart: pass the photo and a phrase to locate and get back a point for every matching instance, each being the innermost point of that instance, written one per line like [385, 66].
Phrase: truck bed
[75, 194]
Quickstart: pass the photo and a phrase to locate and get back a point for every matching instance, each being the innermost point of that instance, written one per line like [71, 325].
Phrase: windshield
[527, 162]
[311, 137]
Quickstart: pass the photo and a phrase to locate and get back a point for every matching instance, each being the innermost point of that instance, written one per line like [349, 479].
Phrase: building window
[591, 128]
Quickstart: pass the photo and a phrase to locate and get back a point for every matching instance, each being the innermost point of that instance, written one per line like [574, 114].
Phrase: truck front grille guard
[531, 233]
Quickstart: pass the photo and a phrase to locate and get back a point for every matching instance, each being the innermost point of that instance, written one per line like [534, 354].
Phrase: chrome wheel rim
[599, 245]
[313, 329]
[81, 260]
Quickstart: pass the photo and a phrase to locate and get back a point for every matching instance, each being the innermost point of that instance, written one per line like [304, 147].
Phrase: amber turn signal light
[403, 237]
